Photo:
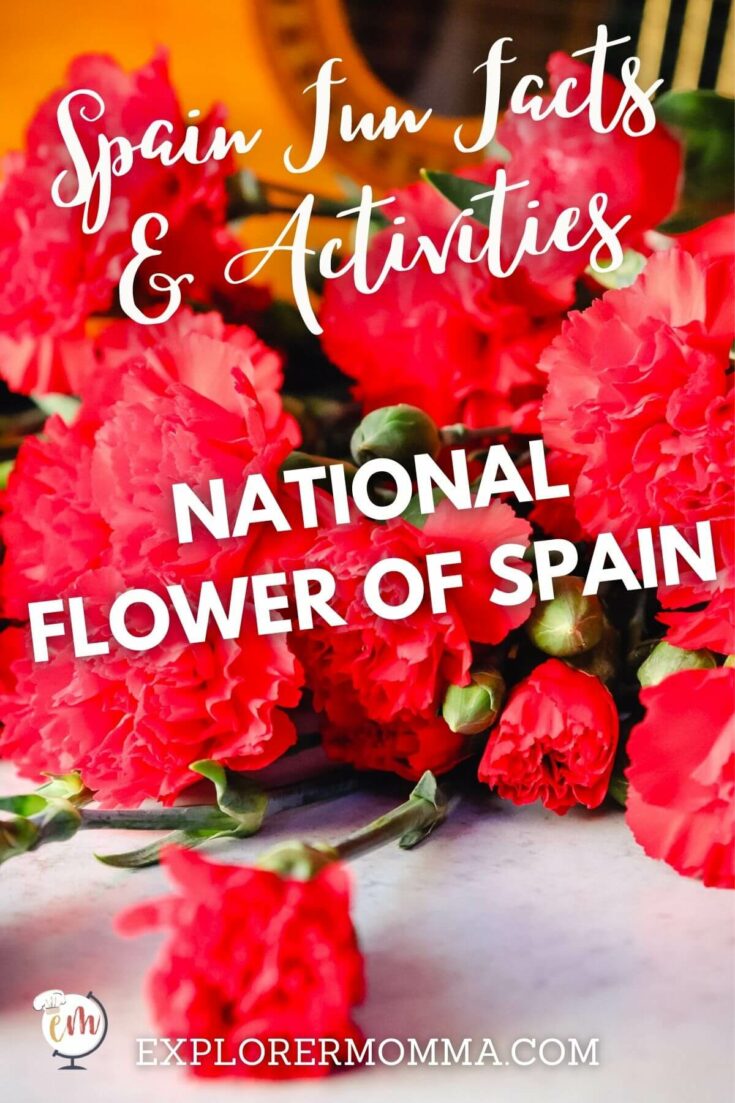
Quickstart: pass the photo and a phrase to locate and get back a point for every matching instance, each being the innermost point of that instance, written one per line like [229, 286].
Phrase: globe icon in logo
[73, 1025]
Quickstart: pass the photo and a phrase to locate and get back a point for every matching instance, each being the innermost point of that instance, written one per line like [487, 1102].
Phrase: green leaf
[622, 276]
[59, 787]
[55, 812]
[427, 789]
[410, 839]
[24, 804]
[16, 837]
[60, 820]
[150, 855]
[242, 805]
[618, 789]
[58, 790]
[237, 796]
[461, 192]
[705, 123]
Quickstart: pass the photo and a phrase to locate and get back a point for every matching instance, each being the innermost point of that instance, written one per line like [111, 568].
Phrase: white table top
[507, 923]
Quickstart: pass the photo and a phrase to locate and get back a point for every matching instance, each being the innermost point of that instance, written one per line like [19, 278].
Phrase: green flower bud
[665, 660]
[568, 624]
[729, 661]
[300, 861]
[395, 433]
[471, 709]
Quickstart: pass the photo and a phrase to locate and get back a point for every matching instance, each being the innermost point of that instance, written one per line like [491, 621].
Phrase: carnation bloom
[641, 391]
[380, 682]
[463, 345]
[681, 777]
[12, 647]
[407, 744]
[556, 740]
[252, 956]
[556, 516]
[54, 274]
[197, 349]
[567, 162]
[132, 723]
[200, 401]
[88, 515]
[459, 345]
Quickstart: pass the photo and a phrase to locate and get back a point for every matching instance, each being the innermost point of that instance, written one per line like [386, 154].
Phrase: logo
[74, 1026]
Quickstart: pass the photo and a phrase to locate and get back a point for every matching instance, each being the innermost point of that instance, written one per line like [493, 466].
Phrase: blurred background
[258, 55]
[419, 48]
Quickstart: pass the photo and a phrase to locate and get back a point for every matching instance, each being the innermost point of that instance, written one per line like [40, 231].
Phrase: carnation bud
[297, 860]
[471, 709]
[395, 433]
[666, 659]
[729, 661]
[568, 624]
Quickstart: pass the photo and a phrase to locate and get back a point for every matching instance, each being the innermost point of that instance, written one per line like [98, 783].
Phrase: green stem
[296, 460]
[410, 822]
[330, 786]
[153, 819]
[193, 817]
[463, 434]
[385, 829]
[249, 196]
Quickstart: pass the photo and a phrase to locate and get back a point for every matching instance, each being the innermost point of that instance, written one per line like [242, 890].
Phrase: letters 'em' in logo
[74, 1026]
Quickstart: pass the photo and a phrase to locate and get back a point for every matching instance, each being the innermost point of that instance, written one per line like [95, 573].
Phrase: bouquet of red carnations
[529, 678]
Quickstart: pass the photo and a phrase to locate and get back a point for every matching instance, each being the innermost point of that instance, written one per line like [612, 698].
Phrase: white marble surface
[508, 923]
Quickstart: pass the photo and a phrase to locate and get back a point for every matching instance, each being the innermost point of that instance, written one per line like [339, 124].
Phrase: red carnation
[132, 723]
[380, 682]
[90, 515]
[12, 647]
[252, 956]
[465, 346]
[55, 275]
[556, 516]
[556, 740]
[199, 350]
[640, 389]
[566, 162]
[461, 346]
[682, 775]
[407, 744]
[81, 497]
